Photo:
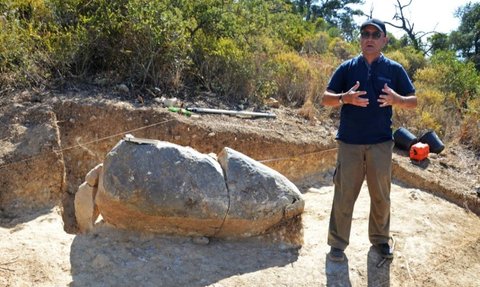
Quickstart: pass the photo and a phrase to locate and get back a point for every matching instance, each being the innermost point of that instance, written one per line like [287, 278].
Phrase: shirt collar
[379, 59]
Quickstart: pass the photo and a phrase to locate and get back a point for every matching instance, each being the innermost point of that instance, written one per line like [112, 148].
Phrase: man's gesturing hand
[352, 97]
[389, 98]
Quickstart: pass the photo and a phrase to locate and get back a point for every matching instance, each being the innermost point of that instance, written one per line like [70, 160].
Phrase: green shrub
[292, 75]
[13, 50]
[294, 31]
[316, 44]
[455, 76]
[157, 44]
[227, 70]
[33, 48]
[470, 125]
[447, 98]
[432, 113]
[341, 49]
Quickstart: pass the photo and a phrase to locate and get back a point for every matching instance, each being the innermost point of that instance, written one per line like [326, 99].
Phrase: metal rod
[230, 112]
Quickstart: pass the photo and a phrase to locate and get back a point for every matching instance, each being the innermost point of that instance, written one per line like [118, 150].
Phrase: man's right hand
[352, 97]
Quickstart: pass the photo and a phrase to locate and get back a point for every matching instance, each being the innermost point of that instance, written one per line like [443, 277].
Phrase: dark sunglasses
[375, 35]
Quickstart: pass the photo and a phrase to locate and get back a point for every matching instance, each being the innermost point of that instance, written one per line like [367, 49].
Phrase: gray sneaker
[336, 254]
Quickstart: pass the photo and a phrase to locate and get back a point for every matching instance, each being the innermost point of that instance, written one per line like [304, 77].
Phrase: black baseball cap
[376, 23]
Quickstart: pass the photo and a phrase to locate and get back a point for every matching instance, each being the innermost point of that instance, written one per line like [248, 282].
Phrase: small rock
[123, 88]
[85, 209]
[172, 102]
[202, 240]
[93, 175]
[102, 81]
[101, 261]
[284, 246]
[413, 195]
[273, 103]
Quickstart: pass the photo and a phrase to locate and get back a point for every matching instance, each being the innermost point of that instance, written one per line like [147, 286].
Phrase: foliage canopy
[238, 50]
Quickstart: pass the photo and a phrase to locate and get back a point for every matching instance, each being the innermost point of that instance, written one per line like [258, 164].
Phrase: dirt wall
[32, 173]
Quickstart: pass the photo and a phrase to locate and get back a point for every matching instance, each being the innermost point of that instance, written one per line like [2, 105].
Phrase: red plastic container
[419, 151]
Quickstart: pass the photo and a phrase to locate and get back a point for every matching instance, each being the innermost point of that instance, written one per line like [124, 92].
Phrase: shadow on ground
[378, 271]
[337, 273]
[11, 220]
[111, 257]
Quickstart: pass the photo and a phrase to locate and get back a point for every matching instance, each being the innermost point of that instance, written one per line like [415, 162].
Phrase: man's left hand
[389, 98]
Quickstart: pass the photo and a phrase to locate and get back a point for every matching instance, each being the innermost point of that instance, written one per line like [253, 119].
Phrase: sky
[426, 15]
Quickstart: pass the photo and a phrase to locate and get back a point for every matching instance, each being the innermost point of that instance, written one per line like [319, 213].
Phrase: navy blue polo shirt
[371, 124]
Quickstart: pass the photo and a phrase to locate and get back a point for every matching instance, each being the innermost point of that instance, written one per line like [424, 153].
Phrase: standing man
[365, 87]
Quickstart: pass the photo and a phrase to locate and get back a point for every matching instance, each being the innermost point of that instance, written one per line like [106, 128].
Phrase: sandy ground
[437, 244]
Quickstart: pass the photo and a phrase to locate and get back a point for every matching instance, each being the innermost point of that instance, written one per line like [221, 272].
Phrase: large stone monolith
[156, 186]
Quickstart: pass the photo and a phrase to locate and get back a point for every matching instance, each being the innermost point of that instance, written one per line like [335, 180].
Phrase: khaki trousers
[354, 163]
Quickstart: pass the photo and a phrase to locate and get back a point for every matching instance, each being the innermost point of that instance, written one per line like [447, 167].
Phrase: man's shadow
[337, 273]
[378, 269]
